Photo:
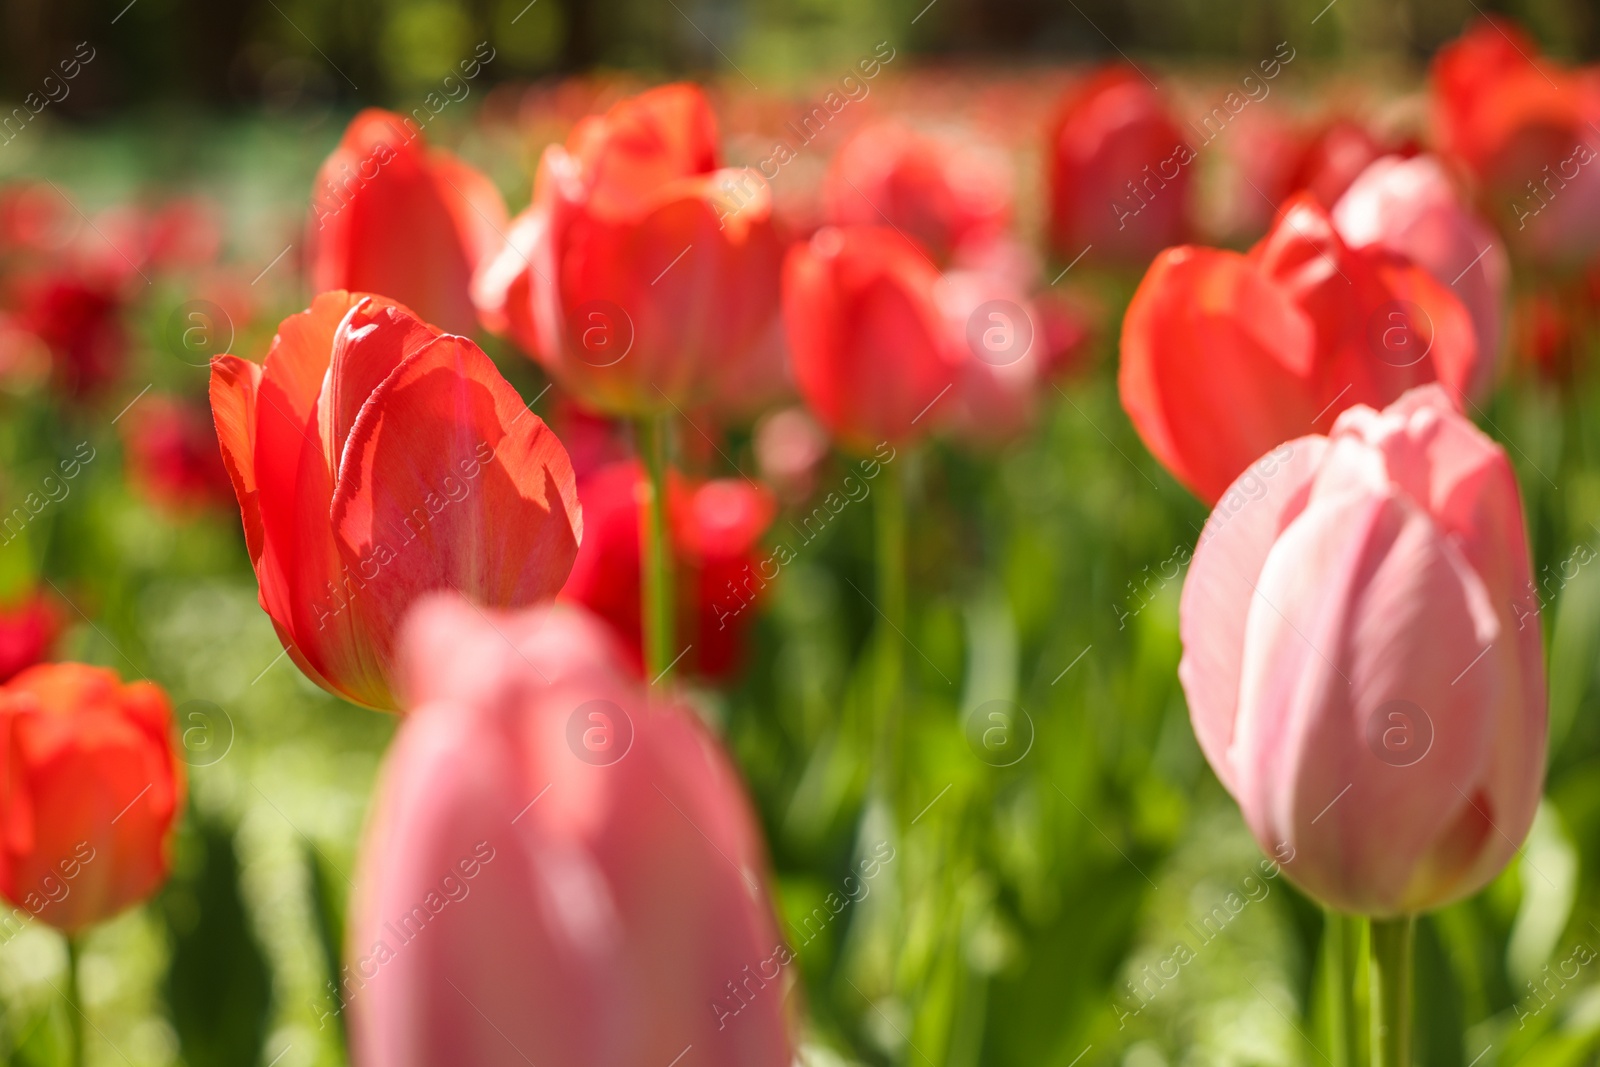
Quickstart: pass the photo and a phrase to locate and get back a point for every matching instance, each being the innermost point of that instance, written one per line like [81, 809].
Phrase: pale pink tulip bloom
[1363, 661]
[559, 871]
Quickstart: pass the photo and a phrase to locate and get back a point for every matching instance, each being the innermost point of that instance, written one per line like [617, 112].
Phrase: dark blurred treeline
[227, 53]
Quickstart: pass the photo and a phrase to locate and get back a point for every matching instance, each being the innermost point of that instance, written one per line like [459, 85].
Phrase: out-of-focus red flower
[173, 455]
[1225, 356]
[1331, 158]
[1545, 334]
[90, 796]
[716, 528]
[944, 195]
[789, 446]
[1524, 128]
[642, 274]
[869, 346]
[34, 218]
[78, 317]
[28, 631]
[376, 458]
[391, 216]
[558, 870]
[183, 234]
[1120, 170]
[1409, 206]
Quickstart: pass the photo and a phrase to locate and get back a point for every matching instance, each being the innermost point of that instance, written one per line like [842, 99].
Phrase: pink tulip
[1409, 206]
[1362, 657]
[559, 871]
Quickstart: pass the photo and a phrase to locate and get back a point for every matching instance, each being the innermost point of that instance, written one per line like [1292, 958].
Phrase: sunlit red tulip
[1226, 355]
[391, 216]
[375, 459]
[77, 316]
[1409, 206]
[558, 870]
[173, 456]
[944, 195]
[1363, 659]
[28, 630]
[870, 349]
[1120, 170]
[1524, 127]
[642, 273]
[716, 528]
[90, 795]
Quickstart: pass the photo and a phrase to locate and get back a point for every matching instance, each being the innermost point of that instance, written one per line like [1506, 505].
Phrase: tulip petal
[449, 482]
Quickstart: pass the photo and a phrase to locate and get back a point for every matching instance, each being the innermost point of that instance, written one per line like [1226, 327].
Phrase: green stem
[1341, 944]
[890, 513]
[1392, 945]
[75, 1004]
[656, 588]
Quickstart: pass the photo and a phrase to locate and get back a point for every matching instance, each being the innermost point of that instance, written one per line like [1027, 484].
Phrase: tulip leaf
[219, 986]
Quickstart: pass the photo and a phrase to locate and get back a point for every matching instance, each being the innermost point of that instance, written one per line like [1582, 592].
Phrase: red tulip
[91, 794]
[870, 351]
[942, 194]
[390, 216]
[1363, 658]
[1410, 207]
[1331, 158]
[78, 317]
[173, 456]
[1524, 127]
[1226, 355]
[1120, 170]
[376, 458]
[28, 630]
[642, 273]
[558, 871]
[716, 527]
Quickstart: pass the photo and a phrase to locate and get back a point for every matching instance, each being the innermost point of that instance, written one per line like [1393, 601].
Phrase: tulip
[1120, 170]
[557, 871]
[946, 196]
[642, 274]
[28, 629]
[91, 794]
[1226, 355]
[1524, 128]
[1362, 657]
[376, 458]
[391, 216]
[870, 350]
[173, 456]
[1410, 207]
[77, 316]
[716, 527]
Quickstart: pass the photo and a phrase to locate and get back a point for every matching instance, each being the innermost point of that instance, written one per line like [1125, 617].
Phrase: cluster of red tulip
[410, 519]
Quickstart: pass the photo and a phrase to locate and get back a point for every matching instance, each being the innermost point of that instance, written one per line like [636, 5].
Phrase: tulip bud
[91, 793]
[557, 870]
[1120, 170]
[391, 216]
[642, 273]
[1410, 207]
[870, 351]
[376, 458]
[1226, 355]
[1363, 660]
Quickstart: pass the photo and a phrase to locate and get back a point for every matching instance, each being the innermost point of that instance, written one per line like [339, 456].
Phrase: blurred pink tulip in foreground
[1409, 206]
[1363, 661]
[559, 871]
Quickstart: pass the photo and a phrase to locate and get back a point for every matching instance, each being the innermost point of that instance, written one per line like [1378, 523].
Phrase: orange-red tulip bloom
[376, 458]
[89, 795]
[642, 272]
[391, 216]
[1226, 355]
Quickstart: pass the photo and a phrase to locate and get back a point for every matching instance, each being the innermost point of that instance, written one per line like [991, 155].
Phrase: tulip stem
[1392, 949]
[891, 565]
[656, 591]
[75, 1016]
[1341, 943]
